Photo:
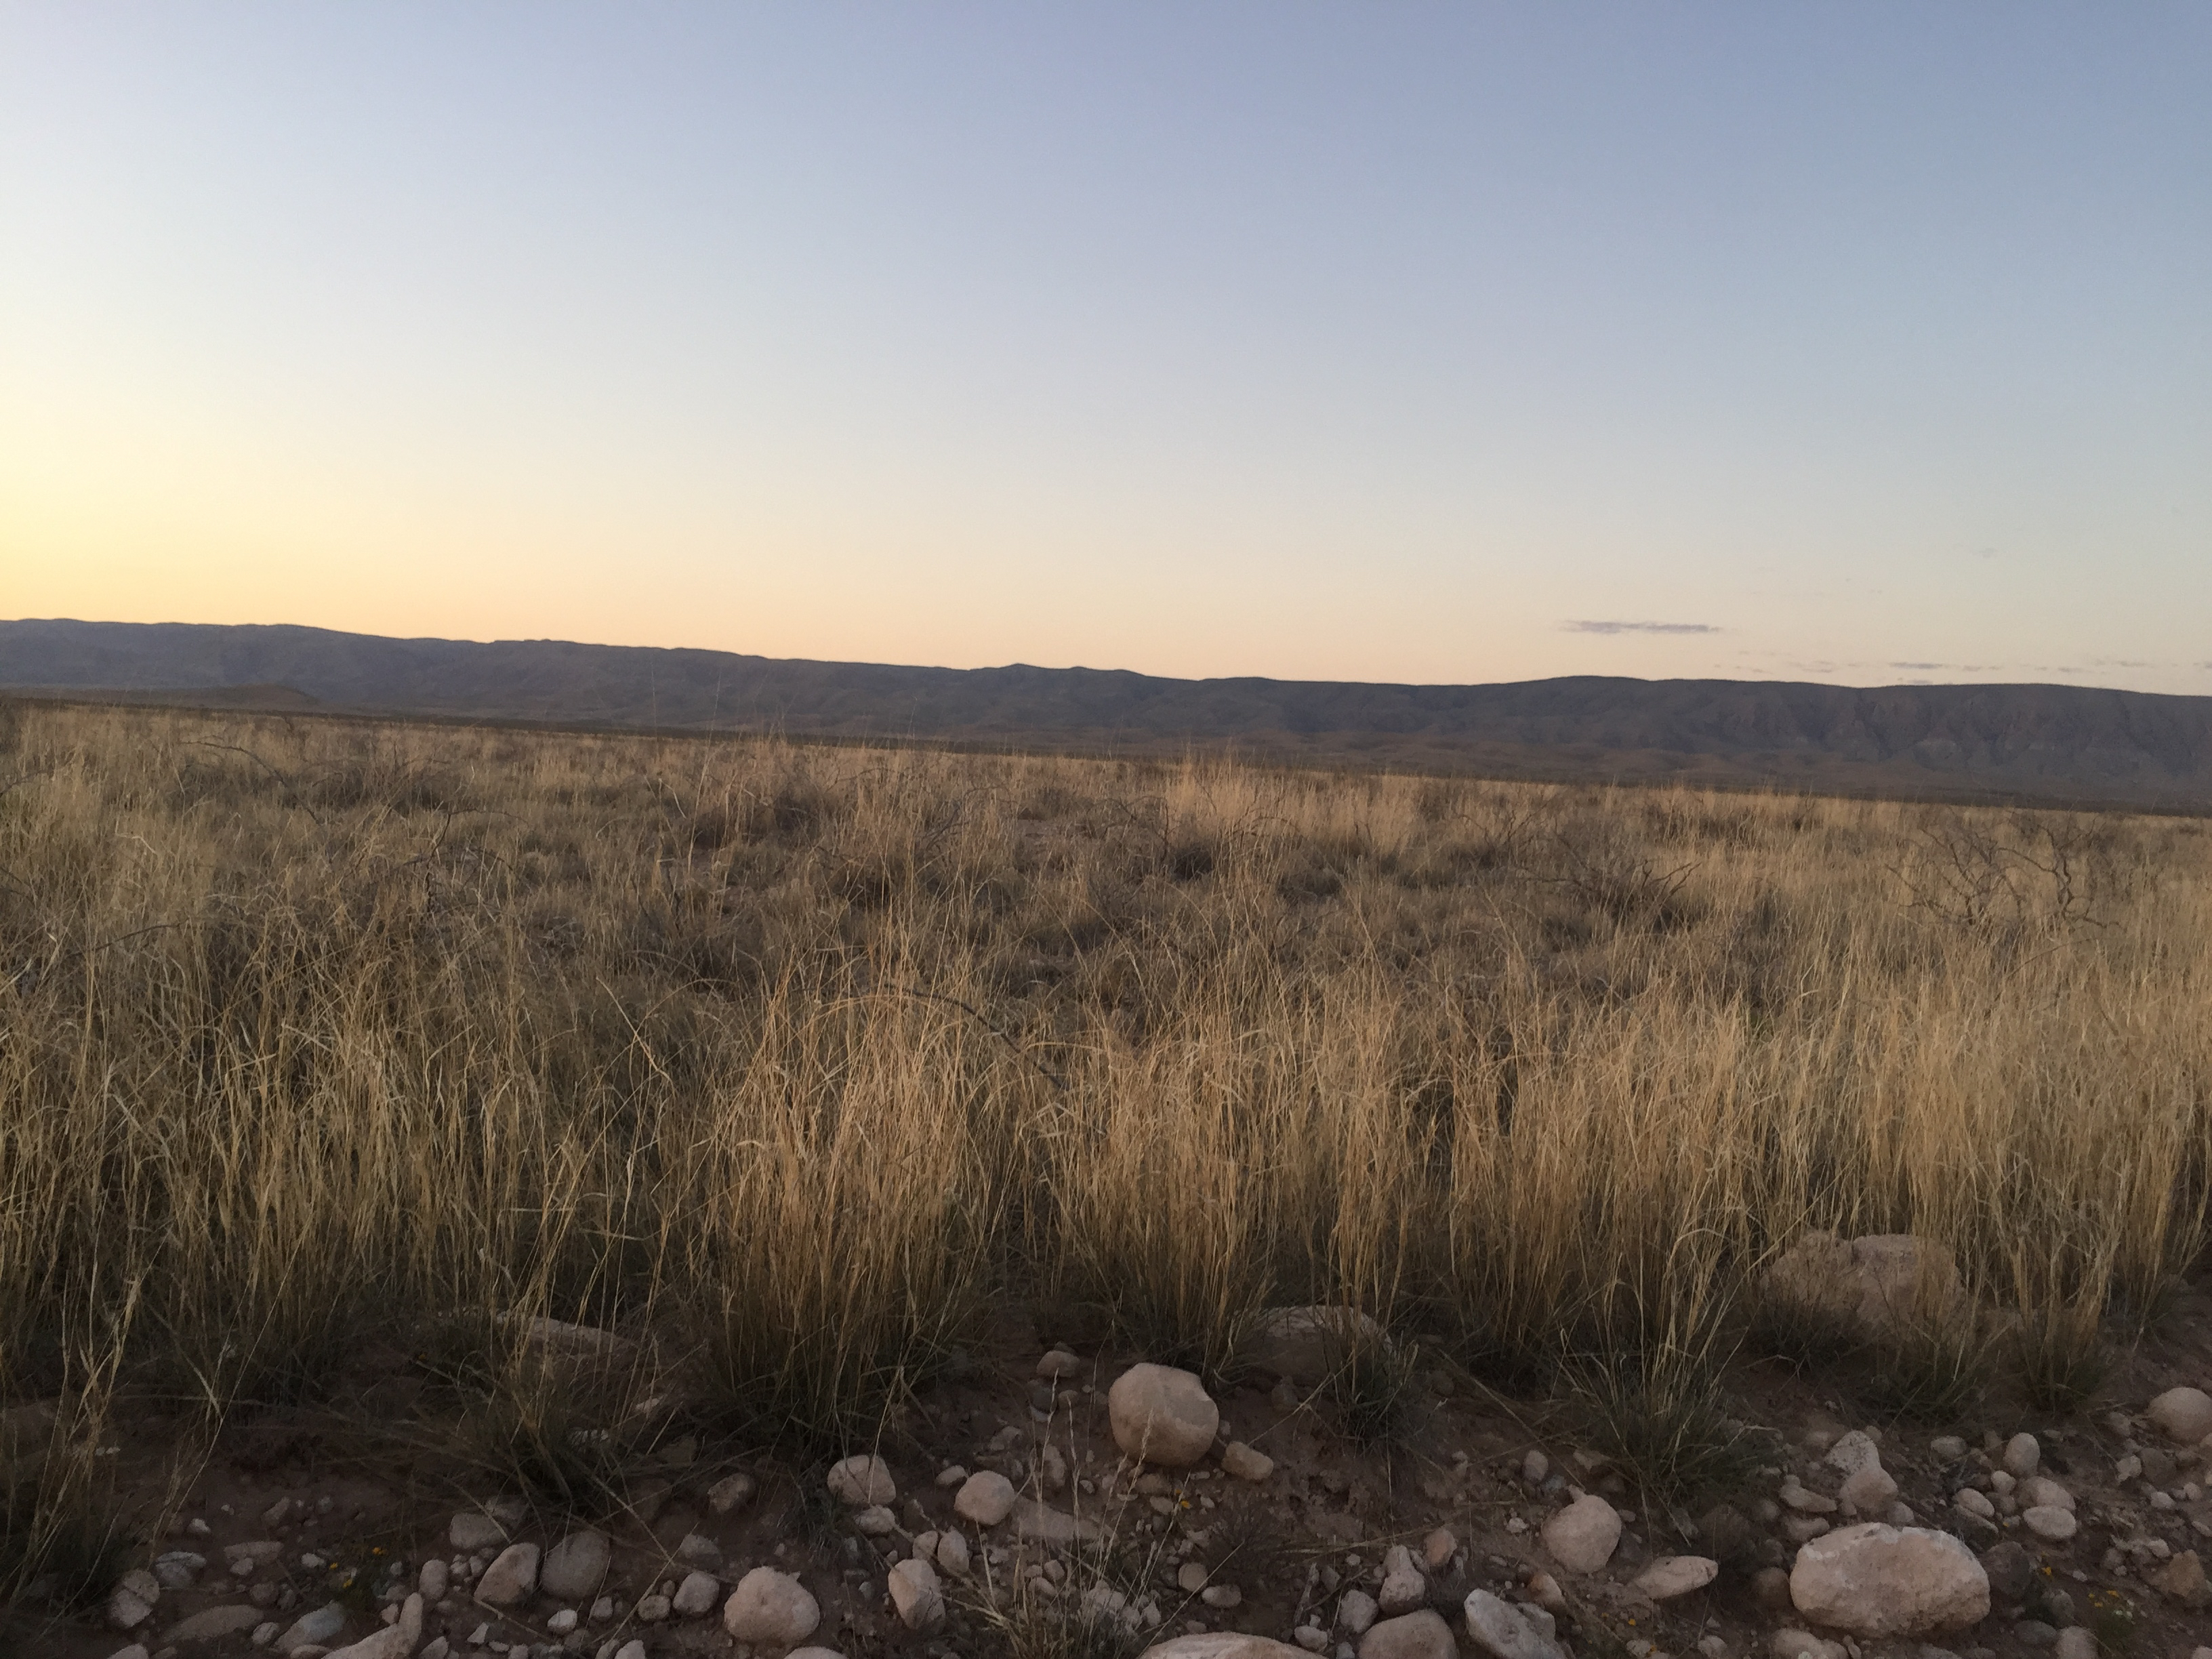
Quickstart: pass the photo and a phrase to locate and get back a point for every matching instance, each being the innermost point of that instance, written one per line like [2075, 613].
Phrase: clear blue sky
[1863, 343]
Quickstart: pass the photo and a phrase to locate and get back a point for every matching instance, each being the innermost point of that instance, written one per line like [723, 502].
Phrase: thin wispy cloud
[1638, 628]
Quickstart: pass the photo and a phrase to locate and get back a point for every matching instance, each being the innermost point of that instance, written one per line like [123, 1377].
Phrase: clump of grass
[1664, 1418]
[2060, 1355]
[795, 1056]
[1095, 1612]
[1928, 1371]
[538, 1437]
[1369, 1380]
[2113, 1619]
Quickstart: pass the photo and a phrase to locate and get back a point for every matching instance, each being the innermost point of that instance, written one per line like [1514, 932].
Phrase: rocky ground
[1054, 1501]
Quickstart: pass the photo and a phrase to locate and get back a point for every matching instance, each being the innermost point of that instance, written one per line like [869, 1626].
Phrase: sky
[1862, 343]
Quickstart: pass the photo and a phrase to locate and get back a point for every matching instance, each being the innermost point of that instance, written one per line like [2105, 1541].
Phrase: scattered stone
[1804, 1644]
[397, 1640]
[214, 1622]
[179, 1569]
[1771, 1585]
[916, 1593]
[2182, 1578]
[510, 1580]
[322, 1626]
[1312, 1638]
[1059, 1364]
[637, 1650]
[130, 1603]
[2023, 1456]
[2042, 1490]
[696, 1596]
[1356, 1613]
[1869, 1492]
[1222, 1597]
[1162, 1415]
[2048, 1521]
[1038, 1523]
[1804, 1500]
[433, 1580]
[1422, 1635]
[1439, 1548]
[1190, 1578]
[2011, 1570]
[1671, 1576]
[1534, 1467]
[986, 1499]
[859, 1482]
[699, 1551]
[2075, 1642]
[1973, 1503]
[1222, 1644]
[473, 1530]
[1544, 1590]
[1581, 1536]
[1404, 1588]
[2183, 1415]
[770, 1609]
[1506, 1631]
[651, 1609]
[1246, 1464]
[1874, 1579]
[1948, 1447]
[952, 1552]
[1853, 1453]
[731, 1491]
[575, 1568]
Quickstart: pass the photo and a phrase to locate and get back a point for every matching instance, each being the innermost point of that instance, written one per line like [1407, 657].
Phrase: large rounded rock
[1162, 1415]
[1581, 1536]
[2183, 1414]
[1504, 1631]
[986, 1499]
[574, 1566]
[1671, 1576]
[916, 1593]
[1879, 1285]
[1307, 1345]
[2049, 1522]
[771, 1609]
[1422, 1635]
[2042, 1489]
[1880, 1580]
[695, 1597]
[862, 1482]
[509, 1581]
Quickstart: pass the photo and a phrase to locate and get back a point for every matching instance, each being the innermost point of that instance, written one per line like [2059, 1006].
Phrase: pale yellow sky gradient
[1872, 345]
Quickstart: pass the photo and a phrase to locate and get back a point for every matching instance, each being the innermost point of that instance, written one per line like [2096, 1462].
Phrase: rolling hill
[2049, 743]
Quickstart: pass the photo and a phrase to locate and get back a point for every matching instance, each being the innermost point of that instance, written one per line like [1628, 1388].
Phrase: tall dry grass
[787, 1061]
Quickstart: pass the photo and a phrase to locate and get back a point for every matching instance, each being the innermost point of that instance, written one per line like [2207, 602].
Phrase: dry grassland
[794, 1063]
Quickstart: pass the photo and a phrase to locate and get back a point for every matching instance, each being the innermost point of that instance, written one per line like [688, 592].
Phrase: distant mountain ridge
[2036, 742]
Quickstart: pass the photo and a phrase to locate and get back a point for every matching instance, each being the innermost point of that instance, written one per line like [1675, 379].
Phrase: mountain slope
[2034, 741]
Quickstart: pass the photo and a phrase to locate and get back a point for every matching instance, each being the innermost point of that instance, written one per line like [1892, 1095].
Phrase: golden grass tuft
[784, 1063]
